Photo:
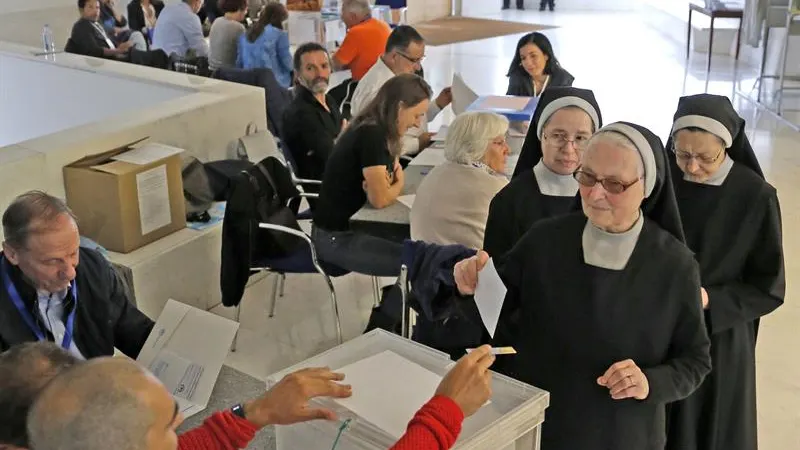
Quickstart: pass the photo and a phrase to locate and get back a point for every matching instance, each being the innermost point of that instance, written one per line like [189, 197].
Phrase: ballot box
[391, 378]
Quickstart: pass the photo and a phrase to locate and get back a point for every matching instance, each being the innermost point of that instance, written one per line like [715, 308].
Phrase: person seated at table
[223, 39]
[364, 168]
[362, 45]
[452, 202]
[535, 67]
[143, 15]
[312, 122]
[608, 301]
[114, 22]
[396, 6]
[179, 31]
[732, 219]
[543, 185]
[266, 45]
[404, 53]
[115, 403]
[89, 38]
[55, 290]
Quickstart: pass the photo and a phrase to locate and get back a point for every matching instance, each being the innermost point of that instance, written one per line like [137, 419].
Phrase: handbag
[270, 209]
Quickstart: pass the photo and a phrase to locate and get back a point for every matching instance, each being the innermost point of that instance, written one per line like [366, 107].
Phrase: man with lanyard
[54, 290]
[90, 38]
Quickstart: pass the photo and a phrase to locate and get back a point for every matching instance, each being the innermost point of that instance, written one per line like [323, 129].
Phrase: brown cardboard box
[127, 197]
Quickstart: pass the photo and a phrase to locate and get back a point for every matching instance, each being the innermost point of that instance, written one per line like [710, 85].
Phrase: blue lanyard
[66, 343]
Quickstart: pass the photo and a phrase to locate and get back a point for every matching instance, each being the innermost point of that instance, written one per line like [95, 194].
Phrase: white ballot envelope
[186, 350]
[489, 296]
[463, 95]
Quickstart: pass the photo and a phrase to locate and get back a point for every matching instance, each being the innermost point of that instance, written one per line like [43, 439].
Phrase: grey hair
[361, 7]
[471, 133]
[87, 409]
[31, 213]
[619, 139]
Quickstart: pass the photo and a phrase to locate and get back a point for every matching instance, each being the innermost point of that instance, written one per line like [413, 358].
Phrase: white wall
[475, 7]
[21, 22]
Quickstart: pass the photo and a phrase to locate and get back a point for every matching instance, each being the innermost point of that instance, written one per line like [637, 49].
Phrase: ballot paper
[463, 95]
[147, 154]
[440, 135]
[407, 200]
[431, 156]
[186, 350]
[489, 296]
[388, 389]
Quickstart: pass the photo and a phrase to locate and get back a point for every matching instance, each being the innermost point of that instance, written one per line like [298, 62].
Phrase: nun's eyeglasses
[611, 186]
[562, 139]
[685, 157]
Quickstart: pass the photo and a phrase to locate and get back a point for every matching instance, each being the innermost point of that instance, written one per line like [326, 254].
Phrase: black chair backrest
[277, 97]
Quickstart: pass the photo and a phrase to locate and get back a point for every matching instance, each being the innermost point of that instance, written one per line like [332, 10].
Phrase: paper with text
[489, 296]
[388, 389]
[179, 375]
[152, 190]
[407, 200]
[147, 154]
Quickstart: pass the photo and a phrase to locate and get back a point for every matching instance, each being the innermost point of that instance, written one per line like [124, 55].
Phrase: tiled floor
[637, 76]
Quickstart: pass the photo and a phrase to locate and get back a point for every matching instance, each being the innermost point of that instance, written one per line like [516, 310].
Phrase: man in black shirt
[51, 289]
[90, 38]
[312, 122]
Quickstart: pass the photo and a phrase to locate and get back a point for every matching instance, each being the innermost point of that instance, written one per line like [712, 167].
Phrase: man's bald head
[102, 404]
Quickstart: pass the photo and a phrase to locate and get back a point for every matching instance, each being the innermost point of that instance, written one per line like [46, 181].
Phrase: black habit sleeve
[763, 286]
[135, 16]
[132, 327]
[499, 235]
[688, 361]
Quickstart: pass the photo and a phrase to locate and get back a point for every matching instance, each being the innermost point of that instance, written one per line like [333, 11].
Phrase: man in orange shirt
[362, 46]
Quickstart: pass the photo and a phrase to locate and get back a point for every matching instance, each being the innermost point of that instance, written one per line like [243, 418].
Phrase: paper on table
[506, 103]
[153, 193]
[407, 200]
[147, 154]
[489, 296]
[431, 156]
[440, 135]
[384, 376]
[179, 375]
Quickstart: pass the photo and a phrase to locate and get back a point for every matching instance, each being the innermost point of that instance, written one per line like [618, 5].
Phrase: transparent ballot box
[395, 376]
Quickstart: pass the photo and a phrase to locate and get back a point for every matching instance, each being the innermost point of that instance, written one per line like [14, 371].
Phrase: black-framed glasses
[562, 139]
[410, 59]
[611, 186]
[685, 157]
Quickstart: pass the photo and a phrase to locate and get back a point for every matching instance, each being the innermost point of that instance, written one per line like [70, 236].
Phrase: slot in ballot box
[390, 375]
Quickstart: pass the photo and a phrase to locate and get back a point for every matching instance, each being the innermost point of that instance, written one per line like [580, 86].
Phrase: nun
[732, 222]
[608, 299]
[563, 122]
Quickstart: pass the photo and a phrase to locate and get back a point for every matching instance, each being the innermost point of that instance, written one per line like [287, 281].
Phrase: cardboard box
[127, 197]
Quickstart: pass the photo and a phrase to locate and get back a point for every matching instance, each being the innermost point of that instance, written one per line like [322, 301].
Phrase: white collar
[610, 250]
[719, 176]
[552, 184]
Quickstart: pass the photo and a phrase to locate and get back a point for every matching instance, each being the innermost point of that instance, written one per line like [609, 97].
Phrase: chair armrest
[306, 181]
[309, 195]
[287, 230]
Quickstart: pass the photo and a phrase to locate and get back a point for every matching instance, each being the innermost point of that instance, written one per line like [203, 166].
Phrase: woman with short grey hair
[452, 202]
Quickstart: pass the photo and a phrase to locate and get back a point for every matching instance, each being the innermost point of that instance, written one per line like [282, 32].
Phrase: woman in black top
[563, 122]
[732, 221]
[608, 301]
[138, 20]
[364, 168]
[535, 67]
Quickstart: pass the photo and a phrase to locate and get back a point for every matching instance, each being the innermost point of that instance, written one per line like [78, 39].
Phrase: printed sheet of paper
[407, 200]
[179, 375]
[431, 156]
[505, 103]
[387, 390]
[153, 193]
[147, 154]
[489, 296]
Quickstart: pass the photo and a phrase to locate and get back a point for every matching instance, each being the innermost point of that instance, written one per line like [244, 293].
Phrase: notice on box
[153, 192]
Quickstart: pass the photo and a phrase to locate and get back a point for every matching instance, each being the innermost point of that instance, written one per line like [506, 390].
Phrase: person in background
[89, 38]
[520, 4]
[142, 16]
[364, 167]
[362, 46]
[115, 24]
[551, 4]
[114, 403]
[54, 290]
[312, 122]
[405, 50]
[452, 202]
[732, 220]
[179, 31]
[225, 33]
[608, 301]
[266, 44]
[397, 7]
[535, 67]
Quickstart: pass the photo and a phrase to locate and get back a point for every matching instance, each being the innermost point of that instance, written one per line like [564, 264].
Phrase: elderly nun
[452, 202]
[608, 301]
[543, 185]
[732, 222]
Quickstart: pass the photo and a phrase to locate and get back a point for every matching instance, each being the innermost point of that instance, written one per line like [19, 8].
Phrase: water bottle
[48, 40]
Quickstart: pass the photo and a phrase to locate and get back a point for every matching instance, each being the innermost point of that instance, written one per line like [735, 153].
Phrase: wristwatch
[238, 410]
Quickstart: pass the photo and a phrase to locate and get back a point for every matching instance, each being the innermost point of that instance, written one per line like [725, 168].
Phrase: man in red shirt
[96, 404]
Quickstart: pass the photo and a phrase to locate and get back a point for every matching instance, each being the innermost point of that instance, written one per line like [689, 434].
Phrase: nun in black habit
[563, 122]
[609, 301]
[732, 221]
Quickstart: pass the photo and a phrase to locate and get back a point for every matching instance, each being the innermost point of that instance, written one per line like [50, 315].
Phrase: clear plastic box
[512, 421]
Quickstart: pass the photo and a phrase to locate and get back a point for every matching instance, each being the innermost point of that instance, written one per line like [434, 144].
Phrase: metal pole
[404, 320]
